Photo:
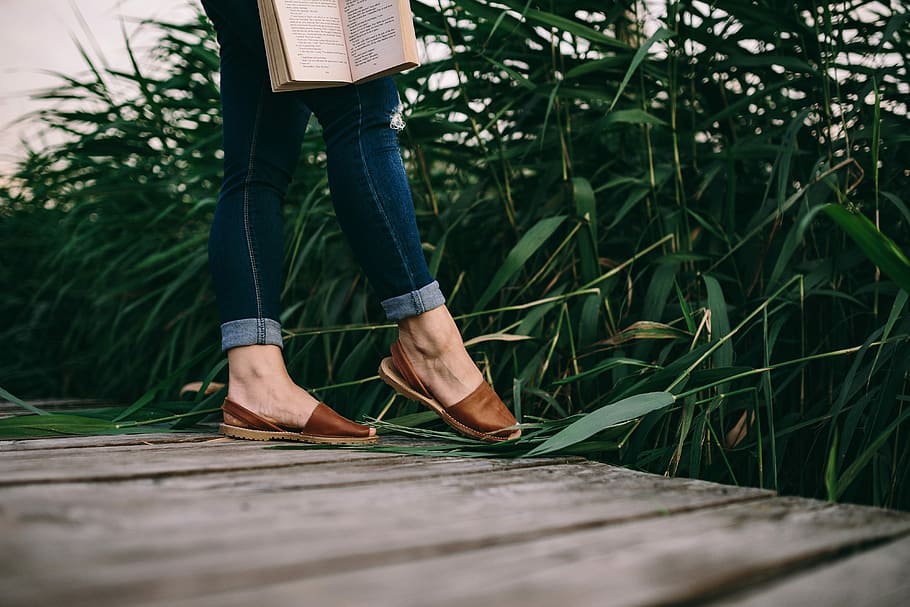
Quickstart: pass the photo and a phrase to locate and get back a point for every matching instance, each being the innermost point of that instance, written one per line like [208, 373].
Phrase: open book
[321, 43]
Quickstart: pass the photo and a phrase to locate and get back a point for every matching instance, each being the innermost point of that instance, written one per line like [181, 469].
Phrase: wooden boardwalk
[194, 519]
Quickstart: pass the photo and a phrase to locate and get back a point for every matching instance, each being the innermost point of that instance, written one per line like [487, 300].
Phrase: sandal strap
[250, 419]
[404, 366]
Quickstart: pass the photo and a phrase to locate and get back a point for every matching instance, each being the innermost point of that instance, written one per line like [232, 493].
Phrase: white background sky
[37, 36]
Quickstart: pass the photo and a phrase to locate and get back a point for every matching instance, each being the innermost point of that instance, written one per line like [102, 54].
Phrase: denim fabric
[248, 331]
[262, 136]
[413, 303]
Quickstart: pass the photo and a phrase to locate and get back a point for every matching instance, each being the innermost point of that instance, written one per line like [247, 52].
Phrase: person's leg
[262, 136]
[374, 207]
[433, 344]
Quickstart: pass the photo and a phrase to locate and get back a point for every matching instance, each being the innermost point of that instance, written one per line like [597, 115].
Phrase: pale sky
[37, 36]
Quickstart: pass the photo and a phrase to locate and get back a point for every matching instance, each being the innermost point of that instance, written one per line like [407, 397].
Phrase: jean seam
[254, 268]
[373, 193]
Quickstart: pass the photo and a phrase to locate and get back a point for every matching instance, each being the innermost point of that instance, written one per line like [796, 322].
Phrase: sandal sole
[265, 435]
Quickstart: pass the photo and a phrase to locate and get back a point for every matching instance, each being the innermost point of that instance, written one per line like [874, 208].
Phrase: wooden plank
[679, 559]
[152, 438]
[416, 486]
[873, 577]
[79, 442]
[94, 544]
[400, 530]
[314, 470]
[440, 470]
[126, 462]
[219, 454]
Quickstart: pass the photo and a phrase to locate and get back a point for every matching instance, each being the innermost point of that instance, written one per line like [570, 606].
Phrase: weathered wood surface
[877, 576]
[200, 520]
[78, 442]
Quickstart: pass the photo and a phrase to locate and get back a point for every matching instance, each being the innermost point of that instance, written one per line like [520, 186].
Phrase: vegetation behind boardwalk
[623, 201]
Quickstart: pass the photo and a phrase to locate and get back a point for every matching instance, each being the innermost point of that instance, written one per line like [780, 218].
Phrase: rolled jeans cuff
[414, 303]
[250, 331]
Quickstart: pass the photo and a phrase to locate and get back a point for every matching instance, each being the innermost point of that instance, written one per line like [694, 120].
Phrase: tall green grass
[675, 236]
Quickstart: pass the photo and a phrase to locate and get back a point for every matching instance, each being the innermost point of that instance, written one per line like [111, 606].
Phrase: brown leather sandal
[481, 414]
[325, 426]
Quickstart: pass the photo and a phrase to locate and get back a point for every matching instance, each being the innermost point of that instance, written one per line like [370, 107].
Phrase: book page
[373, 29]
[314, 39]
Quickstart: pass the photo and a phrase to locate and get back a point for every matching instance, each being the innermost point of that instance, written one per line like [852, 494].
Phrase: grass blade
[520, 253]
[619, 412]
[881, 250]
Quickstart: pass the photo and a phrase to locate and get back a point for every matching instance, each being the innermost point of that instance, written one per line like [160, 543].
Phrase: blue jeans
[262, 137]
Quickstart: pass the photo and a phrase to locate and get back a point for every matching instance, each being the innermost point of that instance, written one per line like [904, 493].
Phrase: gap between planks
[883, 571]
[194, 459]
[674, 560]
[332, 542]
[282, 575]
[655, 561]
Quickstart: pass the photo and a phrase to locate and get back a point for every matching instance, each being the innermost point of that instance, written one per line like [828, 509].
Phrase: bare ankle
[256, 363]
[432, 333]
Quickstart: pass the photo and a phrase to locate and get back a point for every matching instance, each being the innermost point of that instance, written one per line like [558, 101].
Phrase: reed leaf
[607, 416]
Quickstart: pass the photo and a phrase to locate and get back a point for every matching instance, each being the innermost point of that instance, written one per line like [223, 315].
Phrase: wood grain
[673, 560]
[127, 536]
[211, 521]
[111, 440]
[877, 577]
[125, 462]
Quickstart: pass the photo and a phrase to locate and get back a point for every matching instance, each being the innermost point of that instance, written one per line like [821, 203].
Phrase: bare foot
[433, 344]
[259, 381]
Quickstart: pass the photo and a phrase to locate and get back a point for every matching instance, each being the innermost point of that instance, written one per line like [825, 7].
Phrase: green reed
[675, 235]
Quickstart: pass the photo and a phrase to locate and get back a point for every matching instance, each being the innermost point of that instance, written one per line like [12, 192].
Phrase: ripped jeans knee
[396, 122]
